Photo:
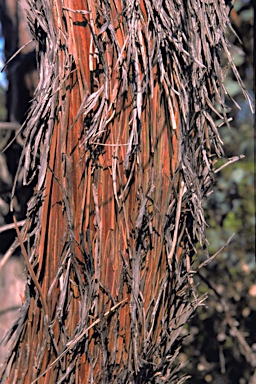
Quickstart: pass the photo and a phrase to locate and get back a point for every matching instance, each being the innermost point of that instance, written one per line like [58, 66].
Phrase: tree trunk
[122, 145]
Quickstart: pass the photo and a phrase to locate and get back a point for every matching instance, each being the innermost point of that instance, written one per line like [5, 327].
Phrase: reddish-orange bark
[121, 178]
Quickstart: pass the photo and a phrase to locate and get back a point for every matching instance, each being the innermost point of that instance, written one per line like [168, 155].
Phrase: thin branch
[30, 268]
[230, 161]
[108, 145]
[10, 126]
[82, 12]
[178, 212]
[11, 226]
[16, 53]
[207, 261]
[8, 253]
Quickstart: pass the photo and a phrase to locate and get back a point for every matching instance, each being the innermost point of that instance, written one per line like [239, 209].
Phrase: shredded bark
[122, 141]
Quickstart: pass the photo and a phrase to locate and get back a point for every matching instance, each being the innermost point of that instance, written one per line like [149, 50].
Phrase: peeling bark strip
[122, 142]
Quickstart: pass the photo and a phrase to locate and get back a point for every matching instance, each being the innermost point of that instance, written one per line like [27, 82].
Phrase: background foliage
[215, 347]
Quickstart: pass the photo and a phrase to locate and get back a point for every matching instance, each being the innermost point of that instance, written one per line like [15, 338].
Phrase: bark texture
[122, 143]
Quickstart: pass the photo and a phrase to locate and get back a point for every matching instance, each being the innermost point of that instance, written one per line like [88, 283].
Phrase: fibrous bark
[122, 141]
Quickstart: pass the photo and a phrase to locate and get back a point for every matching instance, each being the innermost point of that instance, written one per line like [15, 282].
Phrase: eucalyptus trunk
[122, 142]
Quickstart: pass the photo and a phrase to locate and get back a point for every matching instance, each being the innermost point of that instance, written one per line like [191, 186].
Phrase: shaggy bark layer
[122, 140]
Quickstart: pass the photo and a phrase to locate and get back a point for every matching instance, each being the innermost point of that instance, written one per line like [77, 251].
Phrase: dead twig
[16, 54]
[230, 161]
[7, 227]
[207, 261]
[177, 220]
[9, 125]
[30, 269]
[8, 253]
